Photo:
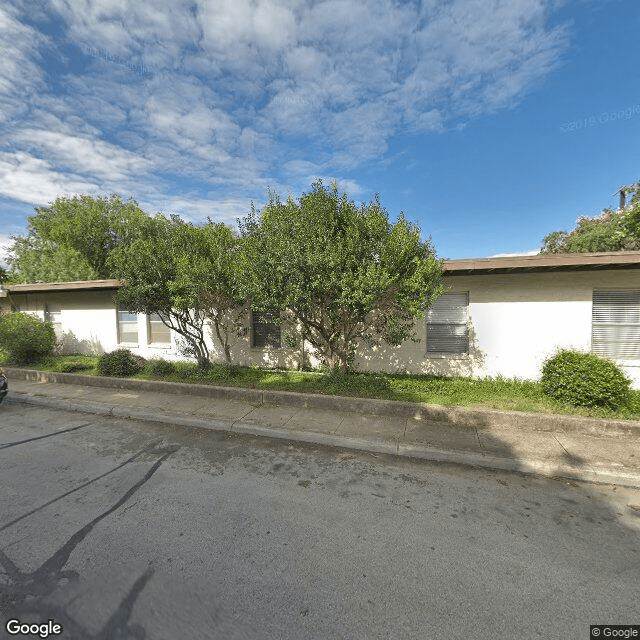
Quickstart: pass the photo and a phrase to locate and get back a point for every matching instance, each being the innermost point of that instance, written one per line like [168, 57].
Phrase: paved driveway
[118, 529]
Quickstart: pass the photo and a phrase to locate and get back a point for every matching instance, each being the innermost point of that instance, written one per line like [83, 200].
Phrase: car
[4, 385]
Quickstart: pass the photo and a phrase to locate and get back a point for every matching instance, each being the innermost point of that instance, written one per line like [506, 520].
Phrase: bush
[584, 379]
[120, 363]
[26, 338]
[160, 367]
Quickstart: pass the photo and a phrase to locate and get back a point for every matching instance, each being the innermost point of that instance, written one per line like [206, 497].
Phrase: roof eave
[49, 287]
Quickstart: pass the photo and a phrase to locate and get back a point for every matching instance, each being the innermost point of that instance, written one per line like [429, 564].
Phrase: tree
[37, 260]
[342, 273]
[211, 271]
[152, 268]
[610, 231]
[71, 239]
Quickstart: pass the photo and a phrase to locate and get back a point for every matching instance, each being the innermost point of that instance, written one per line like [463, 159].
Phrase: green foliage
[160, 367]
[492, 393]
[343, 272]
[584, 379]
[75, 366]
[366, 385]
[72, 238]
[120, 363]
[37, 260]
[211, 272]
[610, 231]
[152, 267]
[25, 338]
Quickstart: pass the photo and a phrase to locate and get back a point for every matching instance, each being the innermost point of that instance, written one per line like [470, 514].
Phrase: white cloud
[83, 155]
[531, 252]
[229, 93]
[34, 180]
[198, 209]
[20, 73]
[5, 243]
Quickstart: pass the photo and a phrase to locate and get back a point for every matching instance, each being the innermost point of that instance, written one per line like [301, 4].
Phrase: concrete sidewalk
[555, 446]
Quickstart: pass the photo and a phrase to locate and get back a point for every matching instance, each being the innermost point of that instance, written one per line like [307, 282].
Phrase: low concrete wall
[454, 415]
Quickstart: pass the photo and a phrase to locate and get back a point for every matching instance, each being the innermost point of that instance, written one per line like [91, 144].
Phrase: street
[121, 529]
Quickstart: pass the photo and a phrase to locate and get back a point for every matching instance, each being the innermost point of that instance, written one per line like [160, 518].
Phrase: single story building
[500, 316]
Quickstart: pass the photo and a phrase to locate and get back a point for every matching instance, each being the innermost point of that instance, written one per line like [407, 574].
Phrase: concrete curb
[458, 416]
[527, 466]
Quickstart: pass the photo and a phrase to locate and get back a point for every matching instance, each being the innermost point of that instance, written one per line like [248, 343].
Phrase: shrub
[584, 379]
[120, 363]
[160, 367]
[26, 338]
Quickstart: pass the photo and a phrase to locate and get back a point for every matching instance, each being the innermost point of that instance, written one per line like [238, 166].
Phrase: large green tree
[71, 238]
[36, 260]
[151, 267]
[343, 273]
[610, 231]
[211, 270]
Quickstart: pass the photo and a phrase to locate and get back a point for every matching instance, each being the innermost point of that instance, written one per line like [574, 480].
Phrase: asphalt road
[120, 529]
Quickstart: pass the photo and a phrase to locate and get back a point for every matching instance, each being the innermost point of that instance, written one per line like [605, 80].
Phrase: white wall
[88, 318]
[519, 320]
[516, 321]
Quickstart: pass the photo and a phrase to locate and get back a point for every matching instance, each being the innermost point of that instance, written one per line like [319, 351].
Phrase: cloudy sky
[489, 122]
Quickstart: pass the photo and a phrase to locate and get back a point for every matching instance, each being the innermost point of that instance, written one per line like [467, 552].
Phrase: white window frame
[447, 323]
[124, 323]
[53, 314]
[160, 343]
[615, 323]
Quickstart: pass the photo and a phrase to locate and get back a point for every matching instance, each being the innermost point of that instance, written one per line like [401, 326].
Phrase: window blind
[447, 330]
[615, 324]
[266, 333]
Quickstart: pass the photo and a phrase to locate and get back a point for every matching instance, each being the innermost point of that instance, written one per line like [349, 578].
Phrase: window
[53, 314]
[265, 332]
[447, 330]
[615, 324]
[127, 326]
[158, 332]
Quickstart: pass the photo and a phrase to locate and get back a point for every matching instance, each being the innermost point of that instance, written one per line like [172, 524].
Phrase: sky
[490, 123]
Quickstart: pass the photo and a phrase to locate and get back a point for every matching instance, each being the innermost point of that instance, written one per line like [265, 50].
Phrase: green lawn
[493, 393]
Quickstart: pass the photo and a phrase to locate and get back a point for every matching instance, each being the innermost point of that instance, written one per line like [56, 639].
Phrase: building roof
[79, 285]
[543, 262]
[466, 266]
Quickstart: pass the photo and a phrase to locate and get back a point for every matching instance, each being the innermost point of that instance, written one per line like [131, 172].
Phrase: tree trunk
[224, 342]
[202, 354]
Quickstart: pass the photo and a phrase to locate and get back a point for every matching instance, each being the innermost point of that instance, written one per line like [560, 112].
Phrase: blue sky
[489, 122]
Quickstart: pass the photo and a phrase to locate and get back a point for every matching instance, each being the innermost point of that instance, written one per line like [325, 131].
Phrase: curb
[454, 415]
[526, 466]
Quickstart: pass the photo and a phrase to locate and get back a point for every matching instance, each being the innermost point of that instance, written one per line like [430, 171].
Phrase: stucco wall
[516, 321]
[88, 318]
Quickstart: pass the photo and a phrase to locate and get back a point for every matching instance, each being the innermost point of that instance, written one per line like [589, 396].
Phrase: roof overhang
[543, 262]
[48, 287]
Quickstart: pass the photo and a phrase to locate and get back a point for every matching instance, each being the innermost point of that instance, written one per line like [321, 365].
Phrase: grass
[492, 393]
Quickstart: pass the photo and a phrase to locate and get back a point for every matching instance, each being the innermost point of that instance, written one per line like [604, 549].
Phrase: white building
[501, 316]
